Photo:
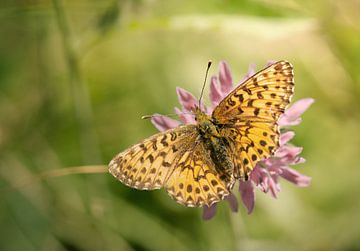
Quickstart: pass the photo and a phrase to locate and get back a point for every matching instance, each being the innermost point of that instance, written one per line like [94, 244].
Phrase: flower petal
[163, 123]
[293, 113]
[270, 62]
[209, 212]
[299, 160]
[225, 77]
[185, 117]
[216, 94]
[233, 203]
[295, 177]
[274, 186]
[286, 137]
[247, 195]
[251, 71]
[288, 152]
[186, 99]
[259, 176]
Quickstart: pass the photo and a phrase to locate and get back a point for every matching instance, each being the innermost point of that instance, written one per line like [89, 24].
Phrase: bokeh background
[76, 77]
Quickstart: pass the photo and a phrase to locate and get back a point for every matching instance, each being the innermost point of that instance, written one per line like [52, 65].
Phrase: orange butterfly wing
[177, 160]
[248, 115]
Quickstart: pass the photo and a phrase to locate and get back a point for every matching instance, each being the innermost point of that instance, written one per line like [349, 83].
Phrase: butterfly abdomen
[219, 155]
[217, 146]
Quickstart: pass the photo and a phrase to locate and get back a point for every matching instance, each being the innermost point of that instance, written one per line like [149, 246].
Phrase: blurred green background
[76, 76]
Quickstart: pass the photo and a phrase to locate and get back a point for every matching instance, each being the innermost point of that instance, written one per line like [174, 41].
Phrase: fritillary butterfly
[197, 164]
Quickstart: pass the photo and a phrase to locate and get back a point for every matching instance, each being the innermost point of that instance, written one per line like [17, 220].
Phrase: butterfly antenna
[203, 87]
[158, 115]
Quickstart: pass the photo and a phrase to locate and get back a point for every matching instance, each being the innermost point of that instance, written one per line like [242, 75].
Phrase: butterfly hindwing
[252, 142]
[196, 181]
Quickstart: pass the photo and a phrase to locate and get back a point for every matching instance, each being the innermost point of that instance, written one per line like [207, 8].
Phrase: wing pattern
[249, 115]
[177, 160]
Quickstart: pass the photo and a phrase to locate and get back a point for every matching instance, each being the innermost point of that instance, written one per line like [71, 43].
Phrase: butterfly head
[199, 114]
[205, 123]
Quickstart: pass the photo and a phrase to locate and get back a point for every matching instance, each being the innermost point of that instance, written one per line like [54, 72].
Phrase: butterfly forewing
[177, 160]
[249, 115]
[262, 97]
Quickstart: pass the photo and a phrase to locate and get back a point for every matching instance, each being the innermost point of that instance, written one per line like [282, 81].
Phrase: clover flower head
[265, 175]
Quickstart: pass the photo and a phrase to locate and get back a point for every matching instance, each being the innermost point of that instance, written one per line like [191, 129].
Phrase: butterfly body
[216, 144]
[197, 164]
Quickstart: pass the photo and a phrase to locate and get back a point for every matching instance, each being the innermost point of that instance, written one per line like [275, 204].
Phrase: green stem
[53, 173]
[239, 229]
[80, 93]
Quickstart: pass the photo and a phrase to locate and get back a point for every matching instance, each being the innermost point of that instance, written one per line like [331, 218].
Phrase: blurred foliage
[76, 76]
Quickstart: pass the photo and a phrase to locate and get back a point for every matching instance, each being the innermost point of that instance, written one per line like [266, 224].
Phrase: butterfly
[198, 164]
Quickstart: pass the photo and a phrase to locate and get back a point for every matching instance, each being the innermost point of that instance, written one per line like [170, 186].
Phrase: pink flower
[267, 172]
[292, 114]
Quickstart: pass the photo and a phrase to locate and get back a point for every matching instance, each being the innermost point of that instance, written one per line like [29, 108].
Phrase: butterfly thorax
[216, 144]
[205, 124]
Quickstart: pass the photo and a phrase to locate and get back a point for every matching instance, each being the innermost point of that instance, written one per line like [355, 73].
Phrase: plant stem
[53, 173]
[80, 93]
